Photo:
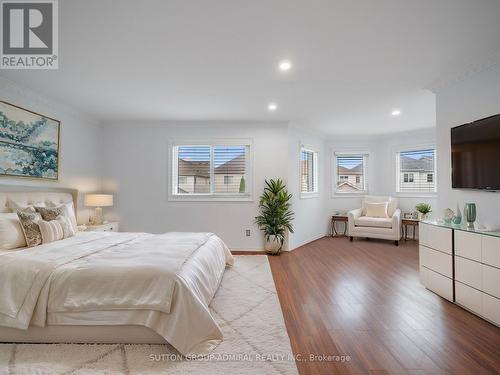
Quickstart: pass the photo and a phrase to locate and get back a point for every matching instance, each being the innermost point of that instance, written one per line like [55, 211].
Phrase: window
[350, 173]
[408, 177]
[308, 171]
[415, 171]
[210, 170]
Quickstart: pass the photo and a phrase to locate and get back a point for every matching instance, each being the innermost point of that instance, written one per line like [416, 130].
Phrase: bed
[101, 287]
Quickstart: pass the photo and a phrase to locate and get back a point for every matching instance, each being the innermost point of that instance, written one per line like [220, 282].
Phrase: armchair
[388, 228]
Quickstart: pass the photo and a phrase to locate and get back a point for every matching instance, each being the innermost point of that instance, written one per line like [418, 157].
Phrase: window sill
[416, 195]
[308, 195]
[350, 195]
[211, 198]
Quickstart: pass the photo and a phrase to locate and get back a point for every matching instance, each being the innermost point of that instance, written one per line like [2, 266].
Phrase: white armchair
[388, 228]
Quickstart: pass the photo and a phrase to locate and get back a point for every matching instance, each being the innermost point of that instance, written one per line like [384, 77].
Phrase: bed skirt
[116, 334]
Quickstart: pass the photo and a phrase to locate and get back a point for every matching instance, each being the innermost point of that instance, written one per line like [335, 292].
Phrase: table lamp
[98, 201]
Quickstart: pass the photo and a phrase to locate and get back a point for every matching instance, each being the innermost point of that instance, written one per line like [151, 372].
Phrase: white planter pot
[272, 245]
[422, 216]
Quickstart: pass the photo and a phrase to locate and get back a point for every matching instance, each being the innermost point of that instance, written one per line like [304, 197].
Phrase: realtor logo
[29, 34]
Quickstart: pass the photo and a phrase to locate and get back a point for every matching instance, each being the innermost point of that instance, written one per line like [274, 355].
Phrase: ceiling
[353, 61]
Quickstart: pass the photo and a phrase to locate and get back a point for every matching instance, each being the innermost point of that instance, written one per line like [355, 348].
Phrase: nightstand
[107, 227]
[405, 223]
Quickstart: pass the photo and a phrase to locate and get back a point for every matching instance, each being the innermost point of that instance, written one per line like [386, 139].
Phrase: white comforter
[94, 276]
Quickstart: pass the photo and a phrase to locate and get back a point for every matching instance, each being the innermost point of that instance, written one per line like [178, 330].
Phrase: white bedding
[164, 282]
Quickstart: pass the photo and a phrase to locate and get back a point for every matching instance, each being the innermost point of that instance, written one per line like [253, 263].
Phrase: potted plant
[275, 217]
[423, 210]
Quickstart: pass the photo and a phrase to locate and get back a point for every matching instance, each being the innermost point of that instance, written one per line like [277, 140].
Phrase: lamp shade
[98, 200]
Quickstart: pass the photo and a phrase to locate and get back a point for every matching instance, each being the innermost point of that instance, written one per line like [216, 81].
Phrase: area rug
[246, 307]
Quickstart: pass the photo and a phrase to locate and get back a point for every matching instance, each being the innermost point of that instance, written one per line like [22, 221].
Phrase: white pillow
[376, 209]
[51, 230]
[67, 227]
[11, 233]
[68, 211]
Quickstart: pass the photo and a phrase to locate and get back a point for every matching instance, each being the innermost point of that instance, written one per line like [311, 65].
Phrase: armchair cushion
[376, 222]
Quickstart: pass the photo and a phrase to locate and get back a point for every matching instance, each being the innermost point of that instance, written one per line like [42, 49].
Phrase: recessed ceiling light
[285, 65]
[272, 106]
[396, 112]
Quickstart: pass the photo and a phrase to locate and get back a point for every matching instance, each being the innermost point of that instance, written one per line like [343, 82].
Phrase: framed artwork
[29, 143]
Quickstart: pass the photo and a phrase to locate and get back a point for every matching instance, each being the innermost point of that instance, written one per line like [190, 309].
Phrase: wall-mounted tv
[475, 155]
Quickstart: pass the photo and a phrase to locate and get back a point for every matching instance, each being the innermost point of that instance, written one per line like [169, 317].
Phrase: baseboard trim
[308, 242]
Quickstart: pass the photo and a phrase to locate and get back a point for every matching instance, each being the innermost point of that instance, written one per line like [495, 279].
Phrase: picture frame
[410, 215]
[29, 143]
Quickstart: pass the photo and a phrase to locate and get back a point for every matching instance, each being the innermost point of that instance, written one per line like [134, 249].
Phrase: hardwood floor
[363, 299]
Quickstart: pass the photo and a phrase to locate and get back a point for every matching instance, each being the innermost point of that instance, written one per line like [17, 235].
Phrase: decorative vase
[272, 245]
[448, 216]
[458, 217]
[470, 214]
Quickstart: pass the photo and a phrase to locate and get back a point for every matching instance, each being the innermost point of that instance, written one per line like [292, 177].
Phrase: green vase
[470, 214]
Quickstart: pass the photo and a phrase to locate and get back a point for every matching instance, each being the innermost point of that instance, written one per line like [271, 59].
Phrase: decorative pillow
[51, 230]
[11, 233]
[67, 228]
[16, 206]
[68, 210]
[49, 213]
[376, 209]
[30, 227]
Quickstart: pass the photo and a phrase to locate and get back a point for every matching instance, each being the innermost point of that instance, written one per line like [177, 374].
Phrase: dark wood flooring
[364, 300]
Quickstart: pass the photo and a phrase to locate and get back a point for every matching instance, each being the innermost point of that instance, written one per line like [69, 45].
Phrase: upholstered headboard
[30, 195]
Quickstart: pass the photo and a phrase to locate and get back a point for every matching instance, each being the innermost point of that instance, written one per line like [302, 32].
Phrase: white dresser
[463, 267]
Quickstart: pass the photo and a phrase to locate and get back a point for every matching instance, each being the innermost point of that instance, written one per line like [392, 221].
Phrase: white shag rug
[246, 307]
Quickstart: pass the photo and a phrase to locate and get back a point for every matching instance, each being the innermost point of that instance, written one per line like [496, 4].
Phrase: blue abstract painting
[29, 143]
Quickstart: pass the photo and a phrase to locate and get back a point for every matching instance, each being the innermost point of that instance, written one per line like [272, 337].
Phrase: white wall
[80, 157]
[136, 170]
[472, 99]
[311, 220]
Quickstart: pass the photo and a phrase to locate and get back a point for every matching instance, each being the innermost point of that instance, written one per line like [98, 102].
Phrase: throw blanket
[126, 271]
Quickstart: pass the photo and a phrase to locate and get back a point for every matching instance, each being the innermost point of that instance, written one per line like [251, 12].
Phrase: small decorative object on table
[341, 217]
[423, 210]
[470, 214]
[457, 219]
[448, 216]
[409, 215]
[275, 215]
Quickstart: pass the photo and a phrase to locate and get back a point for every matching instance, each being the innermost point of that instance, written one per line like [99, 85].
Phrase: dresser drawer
[469, 297]
[491, 251]
[435, 237]
[468, 245]
[436, 282]
[491, 308]
[468, 272]
[491, 280]
[436, 261]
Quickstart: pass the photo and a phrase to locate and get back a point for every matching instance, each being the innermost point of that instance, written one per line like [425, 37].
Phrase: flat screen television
[475, 155]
